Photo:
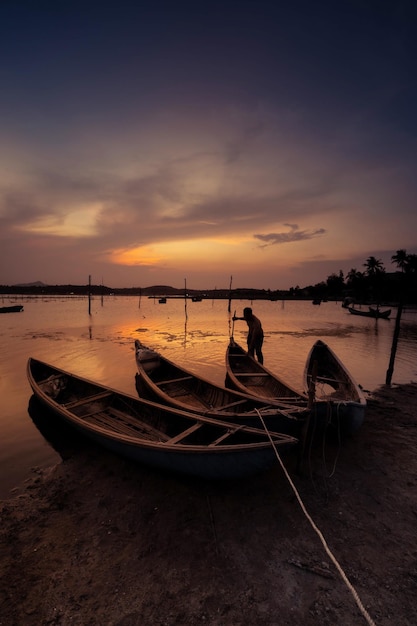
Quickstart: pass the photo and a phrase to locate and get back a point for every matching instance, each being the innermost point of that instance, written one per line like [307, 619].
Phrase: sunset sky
[149, 142]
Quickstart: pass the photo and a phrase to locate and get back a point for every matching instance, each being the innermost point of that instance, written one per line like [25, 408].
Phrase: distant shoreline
[170, 293]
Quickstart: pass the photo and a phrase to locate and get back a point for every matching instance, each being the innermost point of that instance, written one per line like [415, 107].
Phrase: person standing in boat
[255, 333]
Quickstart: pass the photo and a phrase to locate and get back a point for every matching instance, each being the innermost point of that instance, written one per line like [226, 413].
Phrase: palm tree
[374, 266]
[353, 276]
[411, 265]
[401, 259]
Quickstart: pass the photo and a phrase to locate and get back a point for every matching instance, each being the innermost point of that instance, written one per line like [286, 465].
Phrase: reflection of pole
[230, 294]
[185, 333]
[140, 295]
[390, 369]
[89, 295]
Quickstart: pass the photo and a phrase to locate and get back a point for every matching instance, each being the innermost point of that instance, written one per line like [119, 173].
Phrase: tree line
[374, 283]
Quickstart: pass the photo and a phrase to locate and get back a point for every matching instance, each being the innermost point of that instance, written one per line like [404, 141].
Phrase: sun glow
[183, 252]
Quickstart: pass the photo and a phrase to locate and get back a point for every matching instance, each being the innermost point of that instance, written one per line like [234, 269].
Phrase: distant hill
[37, 283]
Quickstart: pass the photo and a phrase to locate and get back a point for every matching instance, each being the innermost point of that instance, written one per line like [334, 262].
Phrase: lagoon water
[98, 343]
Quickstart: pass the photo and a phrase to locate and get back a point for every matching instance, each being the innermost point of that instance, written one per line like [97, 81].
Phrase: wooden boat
[375, 313]
[245, 374]
[161, 380]
[15, 308]
[333, 386]
[154, 434]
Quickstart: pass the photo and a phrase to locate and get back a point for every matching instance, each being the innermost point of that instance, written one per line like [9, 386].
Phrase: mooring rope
[318, 532]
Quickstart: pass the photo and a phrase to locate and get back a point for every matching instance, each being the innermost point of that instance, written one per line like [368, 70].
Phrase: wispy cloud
[294, 234]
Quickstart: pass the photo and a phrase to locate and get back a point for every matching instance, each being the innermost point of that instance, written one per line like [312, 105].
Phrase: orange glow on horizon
[189, 252]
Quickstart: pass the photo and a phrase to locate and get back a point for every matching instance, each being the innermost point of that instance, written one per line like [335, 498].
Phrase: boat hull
[16, 308]
[374, 313]
[338, 399]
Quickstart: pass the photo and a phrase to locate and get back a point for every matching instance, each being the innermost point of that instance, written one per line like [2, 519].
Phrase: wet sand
[99, 540]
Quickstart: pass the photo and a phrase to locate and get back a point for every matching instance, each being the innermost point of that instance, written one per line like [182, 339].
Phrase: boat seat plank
[324, 379]
[185, 433]
[230, 431]
[173, 380]
[228, 406]
[87, 399]
[50, 379]
[243, 374]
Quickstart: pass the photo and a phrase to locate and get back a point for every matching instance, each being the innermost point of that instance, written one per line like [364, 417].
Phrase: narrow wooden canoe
[334, 387]
[14, 308]
[375, 313]
[247, 375]
[154, 434]
[161, 380]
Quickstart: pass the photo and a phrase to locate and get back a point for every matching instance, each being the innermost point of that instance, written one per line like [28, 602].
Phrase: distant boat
[162, 300]
[333, 384]
[317, 301]
[196, 299]
[378, 313]
[16, 308]
[153, 434]
[375, 313]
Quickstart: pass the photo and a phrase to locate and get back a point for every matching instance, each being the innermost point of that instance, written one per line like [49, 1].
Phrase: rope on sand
[319, 533]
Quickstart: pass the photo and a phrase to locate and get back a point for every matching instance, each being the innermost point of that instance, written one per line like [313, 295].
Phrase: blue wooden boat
[329, 382]
[153, 434]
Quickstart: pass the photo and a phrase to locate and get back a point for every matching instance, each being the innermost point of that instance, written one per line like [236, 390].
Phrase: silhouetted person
[255, 333]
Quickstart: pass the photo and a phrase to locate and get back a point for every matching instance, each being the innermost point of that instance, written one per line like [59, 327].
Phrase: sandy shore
[97, 540]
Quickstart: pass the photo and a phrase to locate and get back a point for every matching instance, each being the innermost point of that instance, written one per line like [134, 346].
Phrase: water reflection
[66, 441]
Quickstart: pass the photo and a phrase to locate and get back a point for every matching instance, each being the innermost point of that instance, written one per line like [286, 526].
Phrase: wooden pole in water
[185, 298]
[230, 295]
[396, 334]
[89, 295]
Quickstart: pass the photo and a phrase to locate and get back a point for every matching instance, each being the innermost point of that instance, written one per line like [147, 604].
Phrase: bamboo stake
[185, 298]
[390, 369]
[230, 294]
